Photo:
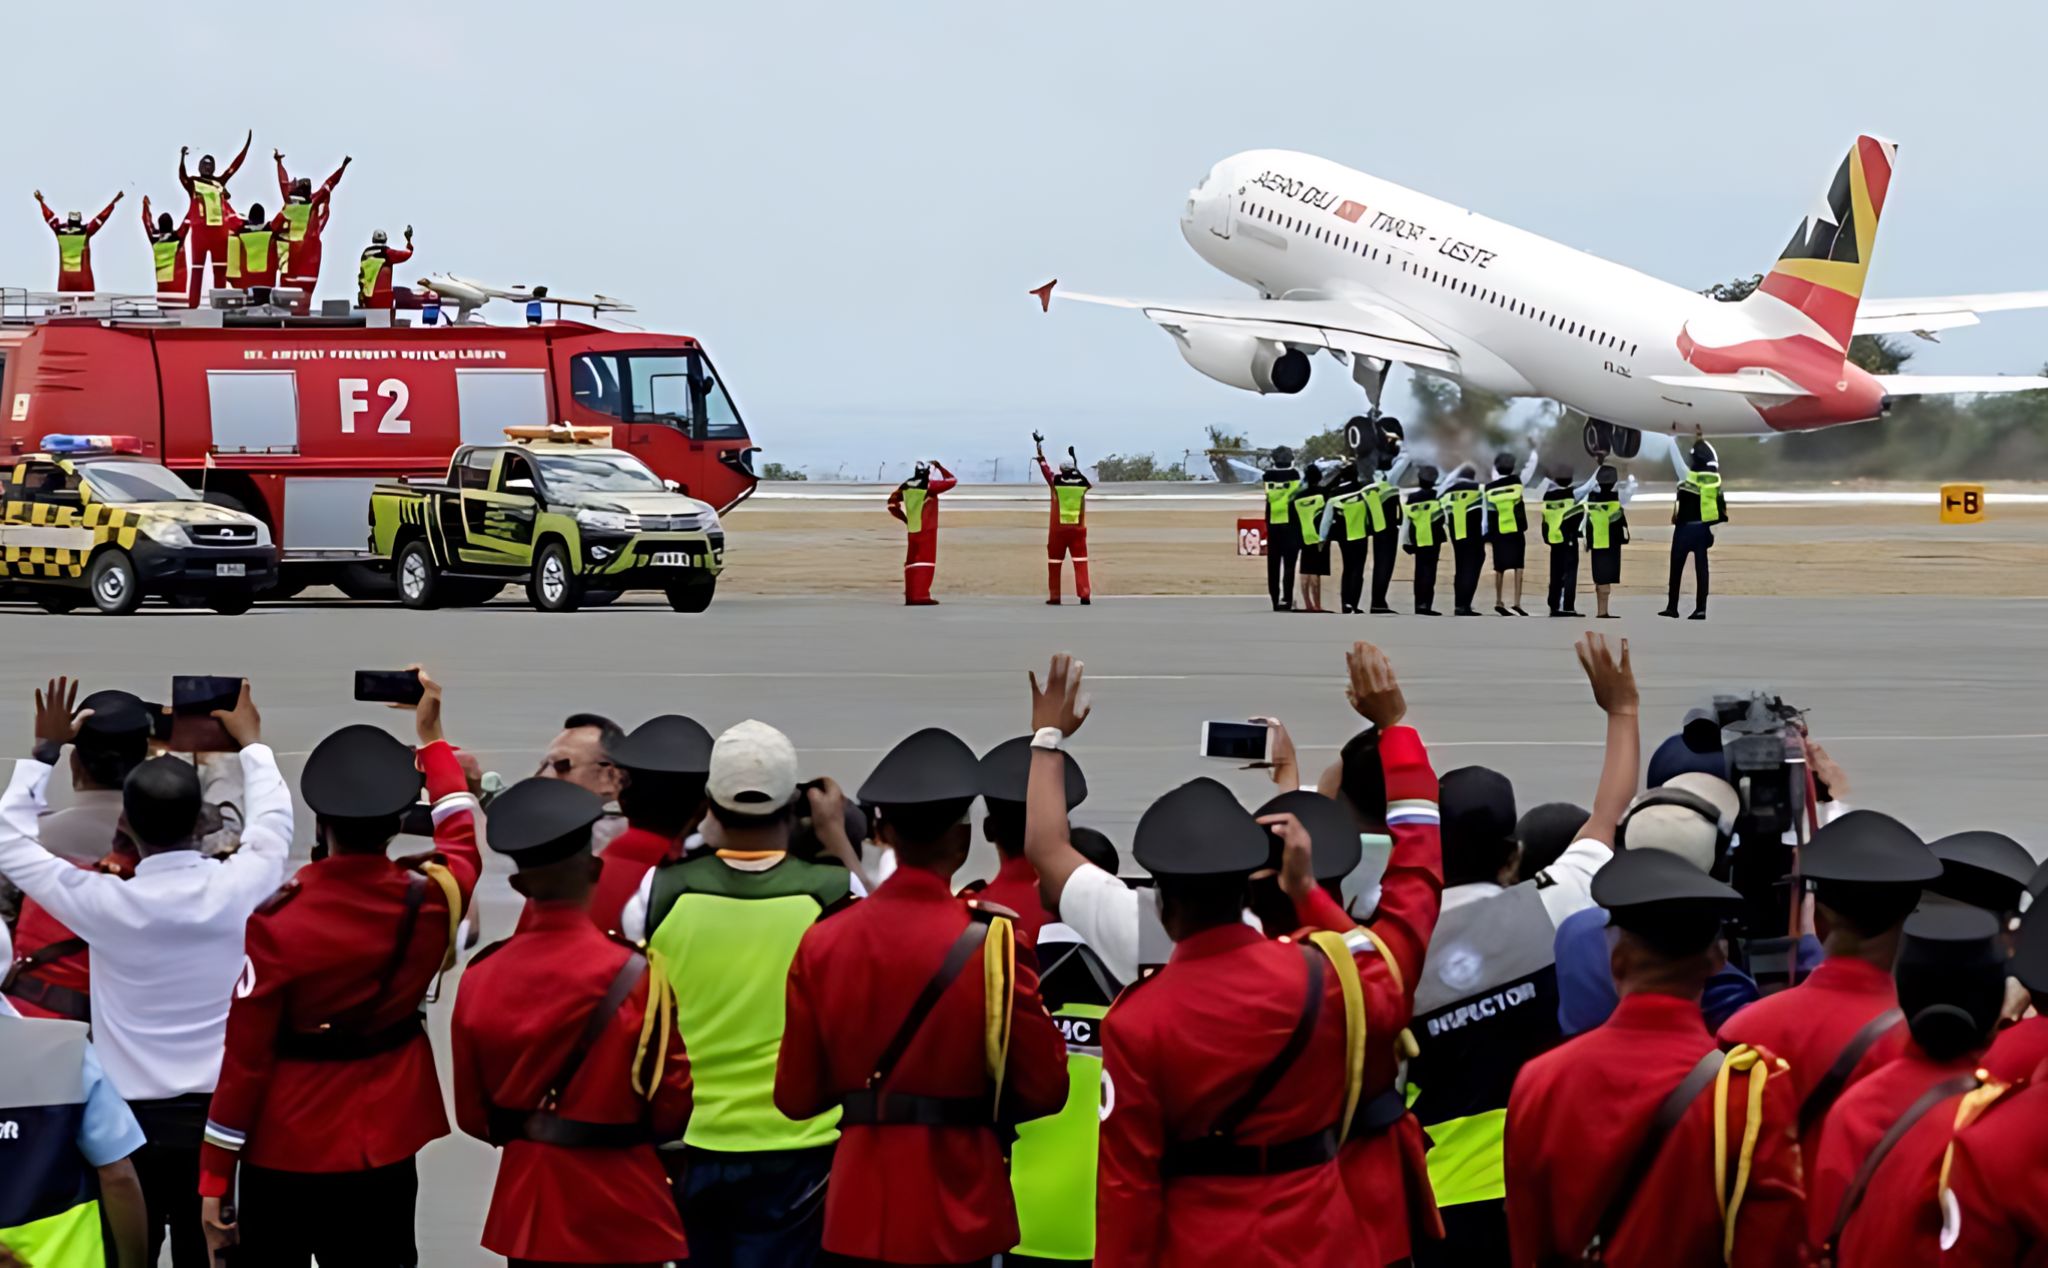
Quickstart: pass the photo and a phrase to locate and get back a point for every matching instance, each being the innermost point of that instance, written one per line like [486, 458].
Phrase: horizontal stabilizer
[1759, 384]
[1959, 384]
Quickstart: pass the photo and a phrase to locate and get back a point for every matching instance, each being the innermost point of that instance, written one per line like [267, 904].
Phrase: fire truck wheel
[692, 596]
[58, 602]
[418, 578]
[116, 590]
[555, 586]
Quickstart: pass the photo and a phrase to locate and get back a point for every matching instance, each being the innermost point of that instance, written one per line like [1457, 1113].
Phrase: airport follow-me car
[559, 509]
[89, 520]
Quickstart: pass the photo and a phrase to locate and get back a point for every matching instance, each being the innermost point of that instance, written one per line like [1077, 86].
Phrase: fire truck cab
[295, 419]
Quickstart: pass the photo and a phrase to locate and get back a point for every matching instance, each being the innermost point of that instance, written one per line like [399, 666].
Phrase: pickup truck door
[498, 519]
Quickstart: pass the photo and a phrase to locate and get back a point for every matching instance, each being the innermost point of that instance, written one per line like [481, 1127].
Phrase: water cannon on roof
[468, 295]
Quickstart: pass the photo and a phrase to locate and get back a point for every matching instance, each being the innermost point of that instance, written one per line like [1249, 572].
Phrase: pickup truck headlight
[707, 519]
[609, 521]
[262, 533]
[166, 532]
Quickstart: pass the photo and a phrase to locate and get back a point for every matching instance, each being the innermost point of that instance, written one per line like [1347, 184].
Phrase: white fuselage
[1526, 316]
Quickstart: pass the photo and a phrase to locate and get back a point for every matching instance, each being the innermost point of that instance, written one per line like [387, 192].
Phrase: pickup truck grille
[222, 534]
[689, 522]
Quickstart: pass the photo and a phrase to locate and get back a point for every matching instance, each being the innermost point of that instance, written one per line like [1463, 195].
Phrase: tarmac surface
[1936, 707]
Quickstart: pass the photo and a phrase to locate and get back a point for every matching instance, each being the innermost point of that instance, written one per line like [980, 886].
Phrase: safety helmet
[379, 238]
[74, 218]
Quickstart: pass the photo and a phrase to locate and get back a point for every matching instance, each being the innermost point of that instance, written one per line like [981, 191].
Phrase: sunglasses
[562, 766]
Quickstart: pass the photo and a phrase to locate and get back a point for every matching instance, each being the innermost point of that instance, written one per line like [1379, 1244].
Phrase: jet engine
[1243, 361]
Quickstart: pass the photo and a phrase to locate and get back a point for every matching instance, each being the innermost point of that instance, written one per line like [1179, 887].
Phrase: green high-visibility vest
[249, 251]
[1422, 520]
[1555, 511]
[1308, 509]
[1601, 517]
[1278, 494]
[166, 254]
[212, 201]
[52, 1217]
[1507, 508]
[1376, 496]
[1052, 1165]
[1355, 511]
[913, 508]
[1707, 485]
[71, 251]
[1461, 502]
[366, 277]
[1069, 497]
[297, 216]
[725, 938]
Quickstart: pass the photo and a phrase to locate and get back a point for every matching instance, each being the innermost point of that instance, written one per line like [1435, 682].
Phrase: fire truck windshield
[613, 473]
[135, 482]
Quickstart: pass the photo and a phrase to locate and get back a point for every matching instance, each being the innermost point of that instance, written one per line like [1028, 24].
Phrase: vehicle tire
[601, 598]
[419, 581]
[555, 586]
[692, 596]
[232, 603]
[360, 581]
[115, 588]
[285, 590]
[469, 594]
[58, 602]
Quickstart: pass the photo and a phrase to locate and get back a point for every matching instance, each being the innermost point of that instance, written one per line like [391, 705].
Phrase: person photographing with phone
[327, 1090]
[1067, 534]
[167, 944]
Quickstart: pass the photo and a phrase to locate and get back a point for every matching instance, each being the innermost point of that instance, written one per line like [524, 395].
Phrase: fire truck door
[498, 520]
[42, 525]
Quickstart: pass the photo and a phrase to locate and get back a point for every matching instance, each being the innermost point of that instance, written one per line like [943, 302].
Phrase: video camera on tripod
[1762, 740]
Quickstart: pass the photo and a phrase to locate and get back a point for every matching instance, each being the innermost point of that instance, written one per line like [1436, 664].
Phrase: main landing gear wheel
[555, 586]
[1603, 440]
[418, 579]
[115, 588]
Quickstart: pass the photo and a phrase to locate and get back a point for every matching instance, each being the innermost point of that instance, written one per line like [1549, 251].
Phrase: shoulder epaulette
[487, 952]
[982, 909]
[285, 893]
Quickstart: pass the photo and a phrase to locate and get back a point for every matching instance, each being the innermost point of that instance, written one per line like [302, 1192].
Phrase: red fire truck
[295, 419]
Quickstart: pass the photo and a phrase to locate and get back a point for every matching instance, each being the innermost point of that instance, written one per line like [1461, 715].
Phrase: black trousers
[290, 1218]
[1469, 556]
[168, 1169]
[1475, 1236]
[1564, 577]
[1690, 541]
[752, 1210]
[1425, 576]
[1283, 550]
[1353, 586]
[1386, 544]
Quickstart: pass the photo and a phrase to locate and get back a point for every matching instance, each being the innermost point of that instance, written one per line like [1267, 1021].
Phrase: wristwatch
[1047, 738]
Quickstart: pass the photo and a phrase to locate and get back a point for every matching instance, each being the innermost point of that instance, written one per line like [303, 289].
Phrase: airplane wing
[1944, 384]
[1927, 314]
[1764, 386]
[1366, 330]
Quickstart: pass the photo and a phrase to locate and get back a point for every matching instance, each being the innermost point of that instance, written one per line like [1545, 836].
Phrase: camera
[1762, 739]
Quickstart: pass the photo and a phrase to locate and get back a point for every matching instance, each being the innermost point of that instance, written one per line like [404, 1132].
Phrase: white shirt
[1103, 912]
[167, 944]
[1565, 887]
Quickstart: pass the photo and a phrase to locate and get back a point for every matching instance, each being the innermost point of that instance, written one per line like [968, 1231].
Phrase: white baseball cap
[1681, 830]
[753, 769]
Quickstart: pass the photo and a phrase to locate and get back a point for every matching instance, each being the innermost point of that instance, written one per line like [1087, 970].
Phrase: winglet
[1044, 294]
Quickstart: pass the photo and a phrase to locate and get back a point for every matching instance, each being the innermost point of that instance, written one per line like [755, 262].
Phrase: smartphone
[389, 686]
[1237, 741]
[194, 697]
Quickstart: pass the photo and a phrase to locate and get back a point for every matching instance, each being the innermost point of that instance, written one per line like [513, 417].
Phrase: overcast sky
[848, 203]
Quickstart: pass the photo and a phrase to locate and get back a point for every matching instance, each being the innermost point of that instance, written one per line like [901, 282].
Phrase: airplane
[468, 295]
[1373, 275]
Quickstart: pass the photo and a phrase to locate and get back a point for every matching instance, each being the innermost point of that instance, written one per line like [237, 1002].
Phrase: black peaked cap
[538, 821]
[932, 765]
[114, 713]
[1199, 829]
[1006, 773]
[1868, 848]
[1984, 869]
[360, 772]
[1334, 847]
[670, 744]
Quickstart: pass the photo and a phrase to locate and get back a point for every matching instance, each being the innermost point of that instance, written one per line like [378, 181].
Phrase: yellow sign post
[1962, 503]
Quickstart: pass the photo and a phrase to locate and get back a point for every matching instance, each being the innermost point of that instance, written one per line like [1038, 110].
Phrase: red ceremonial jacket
[1015, 886]
[1996, 1208]
[626, 861]
[518, 1015]
[1579, 1113]
[316, 952]
[908, 1193]
[2018, 1050]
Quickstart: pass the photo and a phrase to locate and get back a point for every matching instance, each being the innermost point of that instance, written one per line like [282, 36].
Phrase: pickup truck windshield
[136, 482]
[613, 473]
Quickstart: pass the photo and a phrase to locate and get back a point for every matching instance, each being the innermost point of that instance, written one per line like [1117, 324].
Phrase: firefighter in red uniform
[305, 215]
[566, 1056]
[1640, 1142]
[373, 273]
[255, 248]
[74, 244]
[209, 216]
[918, 1015]
[664, 764]
[1866, 870]
[327, 1088]
[916, 503]
[1067, 534]
[1871, 1196]
[167, 256]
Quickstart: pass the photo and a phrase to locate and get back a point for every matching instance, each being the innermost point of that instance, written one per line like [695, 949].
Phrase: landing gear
[1604, 439]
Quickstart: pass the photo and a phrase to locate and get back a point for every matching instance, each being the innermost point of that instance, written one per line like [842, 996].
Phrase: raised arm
[184, 177]
[1679, 466]
[99, 221]
[236, 164]
[1059, 705]
[81, 898]
[1613, 679]
[1584, 491]
[1529, 467]
[284, 178]
[455, 808]
[321, 195]
[1400, 467]
[945, 480]
[148, 221]
[258, 867]
[49, 217]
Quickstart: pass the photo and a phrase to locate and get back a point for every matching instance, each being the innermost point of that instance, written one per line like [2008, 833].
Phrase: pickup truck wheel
[233, 603]
[115, 588]
[555, 586]
[469, 594]
[418, 579]
[692, 596]
[58, 602]
[360, 581]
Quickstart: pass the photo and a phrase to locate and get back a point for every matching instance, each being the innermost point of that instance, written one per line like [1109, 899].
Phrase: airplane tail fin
[1821, 270]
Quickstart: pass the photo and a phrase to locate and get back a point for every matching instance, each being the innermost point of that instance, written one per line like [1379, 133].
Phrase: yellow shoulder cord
[1333, 947]
[999, 996]
[1409, 1048]
[1740, 1058]
[657, 1023]
[1968, 1111]
[451, 891]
